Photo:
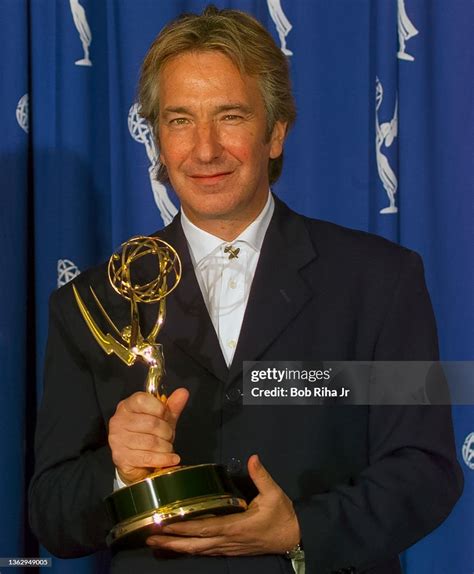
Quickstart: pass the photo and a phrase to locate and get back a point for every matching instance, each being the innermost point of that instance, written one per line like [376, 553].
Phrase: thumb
[260, 476]
[175, 405]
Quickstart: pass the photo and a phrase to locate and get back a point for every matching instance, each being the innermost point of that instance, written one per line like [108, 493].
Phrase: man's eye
[232, 117]
[179, 121]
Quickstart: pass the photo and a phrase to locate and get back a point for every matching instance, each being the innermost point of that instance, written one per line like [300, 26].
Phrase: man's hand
[142, 431]
[269, 526]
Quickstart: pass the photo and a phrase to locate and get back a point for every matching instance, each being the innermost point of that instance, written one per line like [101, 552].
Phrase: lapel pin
[232, 251]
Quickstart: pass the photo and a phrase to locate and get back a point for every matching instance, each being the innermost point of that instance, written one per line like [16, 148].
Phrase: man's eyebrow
[234, 106]
[219, 109]
[176, 110]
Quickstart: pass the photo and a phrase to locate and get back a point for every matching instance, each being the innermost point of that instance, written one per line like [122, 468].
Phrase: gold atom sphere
[169, 269]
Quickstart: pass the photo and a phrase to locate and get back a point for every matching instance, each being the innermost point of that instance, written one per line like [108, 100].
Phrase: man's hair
[242, 39]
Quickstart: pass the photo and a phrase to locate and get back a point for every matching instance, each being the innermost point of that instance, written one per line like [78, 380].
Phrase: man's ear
[277, 138]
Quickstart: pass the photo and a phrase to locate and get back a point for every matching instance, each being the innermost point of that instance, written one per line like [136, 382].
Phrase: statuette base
[170, 495]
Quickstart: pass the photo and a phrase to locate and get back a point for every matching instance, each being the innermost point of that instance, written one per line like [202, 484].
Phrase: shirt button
[234, 466]
[231, 343]
[233, 395]
[232, 284]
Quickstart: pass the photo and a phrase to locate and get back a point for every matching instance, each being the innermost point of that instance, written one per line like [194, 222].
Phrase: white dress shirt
[224, 280]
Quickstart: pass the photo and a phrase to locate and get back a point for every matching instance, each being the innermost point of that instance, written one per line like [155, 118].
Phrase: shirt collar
[201, 243]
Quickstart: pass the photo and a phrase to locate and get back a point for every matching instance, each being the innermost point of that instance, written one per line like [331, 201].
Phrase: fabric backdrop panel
[16, 315]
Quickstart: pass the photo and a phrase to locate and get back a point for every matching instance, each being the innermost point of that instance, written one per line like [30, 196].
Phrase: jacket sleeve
[74, 469]
[412, 479]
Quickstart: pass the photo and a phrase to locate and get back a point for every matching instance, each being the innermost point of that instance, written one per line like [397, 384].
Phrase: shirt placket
[231, 305]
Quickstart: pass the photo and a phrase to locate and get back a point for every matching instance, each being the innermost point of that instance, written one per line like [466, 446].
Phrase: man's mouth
[209, 178]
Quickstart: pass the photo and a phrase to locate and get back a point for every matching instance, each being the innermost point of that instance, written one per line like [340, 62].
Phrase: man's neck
[226, 229]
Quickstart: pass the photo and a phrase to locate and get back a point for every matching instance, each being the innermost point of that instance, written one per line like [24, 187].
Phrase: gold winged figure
[129, 344]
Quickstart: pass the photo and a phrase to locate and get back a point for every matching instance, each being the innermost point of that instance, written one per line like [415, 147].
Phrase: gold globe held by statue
[170, 494]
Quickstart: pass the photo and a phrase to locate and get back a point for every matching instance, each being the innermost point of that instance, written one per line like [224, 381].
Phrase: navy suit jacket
[366, 482]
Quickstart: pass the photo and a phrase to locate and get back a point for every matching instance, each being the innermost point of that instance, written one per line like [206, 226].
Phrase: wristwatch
[296, 553]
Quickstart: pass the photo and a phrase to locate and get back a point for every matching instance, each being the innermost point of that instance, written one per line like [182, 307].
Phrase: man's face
[212, 133]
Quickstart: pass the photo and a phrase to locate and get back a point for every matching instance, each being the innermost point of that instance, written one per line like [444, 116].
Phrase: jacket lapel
[278, 291]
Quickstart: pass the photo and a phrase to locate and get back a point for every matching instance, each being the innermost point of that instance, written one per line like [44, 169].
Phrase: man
[354, 485]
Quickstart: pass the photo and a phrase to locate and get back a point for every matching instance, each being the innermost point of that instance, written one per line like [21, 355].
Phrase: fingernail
[175, 459]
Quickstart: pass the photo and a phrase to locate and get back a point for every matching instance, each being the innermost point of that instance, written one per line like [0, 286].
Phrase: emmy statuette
[169, 494]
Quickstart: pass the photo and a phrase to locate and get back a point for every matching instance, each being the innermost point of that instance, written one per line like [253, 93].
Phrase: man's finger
[139, 459]
[188, 545]
[143, 403]
[260, 476]
[203, 527]
[175, 405]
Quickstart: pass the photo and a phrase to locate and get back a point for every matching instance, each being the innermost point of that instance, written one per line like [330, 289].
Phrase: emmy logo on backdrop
[23, 113]
[406, 30]
[80, 21]
[283, 25]
[169, 494]
[385, 133]
[67, 270]
[140, 131]
[468, 451]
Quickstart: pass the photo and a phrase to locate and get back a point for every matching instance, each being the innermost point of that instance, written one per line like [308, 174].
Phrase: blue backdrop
[383, 142]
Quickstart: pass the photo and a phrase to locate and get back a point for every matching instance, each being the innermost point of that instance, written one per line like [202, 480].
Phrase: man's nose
[207, 146]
